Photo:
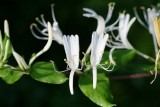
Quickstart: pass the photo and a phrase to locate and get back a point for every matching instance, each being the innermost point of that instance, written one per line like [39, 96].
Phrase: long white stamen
[144, 13]
[44, 22]
[139, 19]
[35, 35]
[40, 22]
[53, 15]
[39, 30]
[112, 26]
[110, 11]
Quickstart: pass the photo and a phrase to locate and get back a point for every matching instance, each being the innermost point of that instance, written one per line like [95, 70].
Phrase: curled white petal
[100, 20]
[46, 47]
[21, 62]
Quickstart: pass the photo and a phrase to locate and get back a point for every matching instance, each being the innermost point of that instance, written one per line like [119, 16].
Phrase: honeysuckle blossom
[6, 48]
[157, 33]
[121, 41]
[157, 29]
[21, 62]
[47, 46]
[97, 48]
[149, 15]
[101, 22]
[56, 32]
[71, 47]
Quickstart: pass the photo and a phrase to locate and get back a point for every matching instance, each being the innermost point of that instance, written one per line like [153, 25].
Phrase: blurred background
[30, 93]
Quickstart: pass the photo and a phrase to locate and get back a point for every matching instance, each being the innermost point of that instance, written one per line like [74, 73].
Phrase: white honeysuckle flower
[47, 46]
[149, 15]
[6, 31]
[98, 43]
[56, 32]
[157, 29]
[21, 62]
[123, 29]
[71, 47]
[121, 41]
[6, 28]
[101, 22]
[157, 33]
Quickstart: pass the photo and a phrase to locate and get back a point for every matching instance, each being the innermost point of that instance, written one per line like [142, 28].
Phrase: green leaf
[101, 95]
[122, 57]
[87, 59]
[44, 72]
[146, 67]
[12, 76]
[4, 71]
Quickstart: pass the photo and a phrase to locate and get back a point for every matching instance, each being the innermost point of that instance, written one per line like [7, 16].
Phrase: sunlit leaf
[102, 95]
[12, 76]
[4, 71]
[44, 72]
[122, 57]
[147, 67]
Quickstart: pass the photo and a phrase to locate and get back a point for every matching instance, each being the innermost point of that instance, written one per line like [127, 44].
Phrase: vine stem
[132, 76]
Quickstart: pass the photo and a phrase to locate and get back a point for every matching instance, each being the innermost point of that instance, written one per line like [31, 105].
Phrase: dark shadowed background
[30, 93]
